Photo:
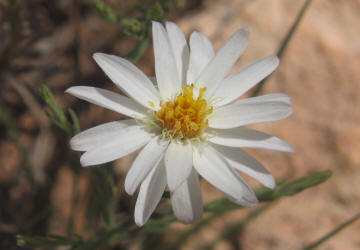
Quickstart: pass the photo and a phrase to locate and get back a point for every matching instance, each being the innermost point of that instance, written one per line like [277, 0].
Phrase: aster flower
[189, 122]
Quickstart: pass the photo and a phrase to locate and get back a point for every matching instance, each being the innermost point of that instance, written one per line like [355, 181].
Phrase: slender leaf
[75, 121]
[302, 183]
[48, 241]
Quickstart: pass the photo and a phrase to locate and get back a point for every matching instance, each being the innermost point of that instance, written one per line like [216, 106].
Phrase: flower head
[188, 123]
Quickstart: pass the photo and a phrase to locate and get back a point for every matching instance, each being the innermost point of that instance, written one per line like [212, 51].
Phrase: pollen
[184, 117]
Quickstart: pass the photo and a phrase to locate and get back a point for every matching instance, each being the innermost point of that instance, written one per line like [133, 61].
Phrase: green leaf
[75, 121]
[220, 205]
[51, 103]
[160, 222]
[48, 241]
[155, 12]
[266, 195]
[133, 26]
[106, 12]
[302, 183]
[57, 116]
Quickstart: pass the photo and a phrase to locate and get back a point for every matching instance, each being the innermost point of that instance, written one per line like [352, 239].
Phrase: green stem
[285, 42]
[332, 233]
[110, 206]
[138, 50]
[74, 203]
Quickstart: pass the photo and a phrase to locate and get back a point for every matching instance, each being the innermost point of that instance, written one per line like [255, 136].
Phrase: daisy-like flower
[188, 121]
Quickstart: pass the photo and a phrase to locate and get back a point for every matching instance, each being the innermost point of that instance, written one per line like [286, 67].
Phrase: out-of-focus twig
[13, 17]
[285, 42]
[42, 146]
[29, 100]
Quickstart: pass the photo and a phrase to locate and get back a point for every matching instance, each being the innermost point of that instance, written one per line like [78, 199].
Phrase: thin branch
[285, 42]
[332, 233]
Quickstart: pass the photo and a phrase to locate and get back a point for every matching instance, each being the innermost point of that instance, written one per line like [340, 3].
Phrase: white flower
[188, 125]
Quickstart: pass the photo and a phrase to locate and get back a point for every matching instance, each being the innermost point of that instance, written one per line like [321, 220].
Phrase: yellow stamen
[184, 117]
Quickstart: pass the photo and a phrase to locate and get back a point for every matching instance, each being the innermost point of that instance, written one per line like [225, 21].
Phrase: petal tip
[98, 56]
[291, 149]
[271, 183]
[68, 90]
[128, 188]
[290, 111]
[252, 201]
[139, 222]
[73, 144]
[84, 161]
[245, 31]
[275, 60]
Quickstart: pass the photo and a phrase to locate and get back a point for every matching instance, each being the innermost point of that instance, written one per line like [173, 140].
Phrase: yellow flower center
[184, 117]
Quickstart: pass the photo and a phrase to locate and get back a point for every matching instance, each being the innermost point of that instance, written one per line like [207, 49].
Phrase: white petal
[99, 135]
[186, 201]
[213, 167]
[245, 163]
[151, 191]
[224, 59]
[240, 114]
[165, 66]
[248, 138]
[149, 157]
[273, 97]
[109, 100]
[129, 79]
[201, 53]
[178, 162]
[180, 49]
[127, 141]
[237, 84]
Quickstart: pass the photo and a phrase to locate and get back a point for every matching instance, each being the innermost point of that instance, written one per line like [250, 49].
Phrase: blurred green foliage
[161, 225]
[139, 24]
[57, 116]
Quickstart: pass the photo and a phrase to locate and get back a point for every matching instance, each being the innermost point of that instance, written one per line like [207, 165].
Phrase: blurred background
[43, 189]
